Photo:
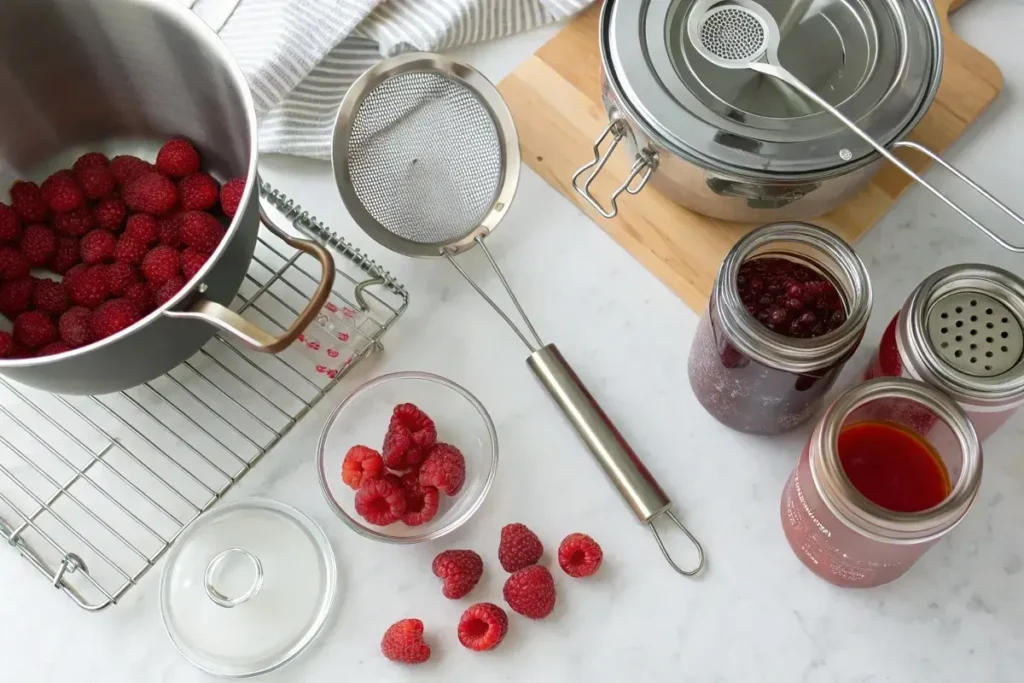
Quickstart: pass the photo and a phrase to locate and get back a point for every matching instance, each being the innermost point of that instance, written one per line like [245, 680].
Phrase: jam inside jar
[787, 310]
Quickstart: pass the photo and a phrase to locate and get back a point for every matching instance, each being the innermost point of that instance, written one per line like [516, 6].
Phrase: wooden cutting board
[555, 99]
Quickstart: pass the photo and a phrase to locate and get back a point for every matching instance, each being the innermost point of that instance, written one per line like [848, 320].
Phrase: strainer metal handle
[645, 163]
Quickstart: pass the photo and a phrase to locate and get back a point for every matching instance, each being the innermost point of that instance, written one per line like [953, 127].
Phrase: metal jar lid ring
[214, 570]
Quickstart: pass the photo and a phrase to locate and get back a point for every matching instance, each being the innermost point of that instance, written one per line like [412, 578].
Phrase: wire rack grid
[95, 489]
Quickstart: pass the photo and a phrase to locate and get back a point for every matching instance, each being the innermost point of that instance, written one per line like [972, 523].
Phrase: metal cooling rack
[95, 489]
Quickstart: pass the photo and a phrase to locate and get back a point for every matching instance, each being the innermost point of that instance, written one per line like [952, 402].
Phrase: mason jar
[754, 379]
[961, 330]
[834, 529]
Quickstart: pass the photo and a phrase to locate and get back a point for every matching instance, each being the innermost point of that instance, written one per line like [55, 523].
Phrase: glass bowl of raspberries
[407, 457]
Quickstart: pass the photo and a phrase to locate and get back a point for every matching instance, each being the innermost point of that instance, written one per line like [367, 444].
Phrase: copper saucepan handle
[250, 334]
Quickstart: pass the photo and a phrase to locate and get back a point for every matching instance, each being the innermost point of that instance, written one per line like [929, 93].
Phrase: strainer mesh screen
[732, 33]
[424, 157]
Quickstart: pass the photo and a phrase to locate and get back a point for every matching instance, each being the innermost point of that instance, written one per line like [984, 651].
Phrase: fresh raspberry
[419, 424]
[200, 230]
[231, 196]
[75, 326]
[75, 273]
[445, 468]
[130, 251]
[161, 264]
[170, 233]
[400, 453]
[168, 290]
[119, 276]
[177, 158]
[380, 501]
[127, 168]
[579, 555]
[6, 344]
[38, 244]
[460, 570]
[74, 223]
[19, 351]
[192, 260]
[97, 182]
[140, 294]
[90, 160]
[403, 642]
[421, 502]
[530, 592]
[10, 226]
[361, 463]
[519, 547]
[16, 296]
[34, 329]
[142, 228]
[27, 200]
[89, 287]
[483, 626]
[13, 264]
[98, 246]
[66, 256]
[112, 317]
[62, 193]
[151, 193]
[198, 192]
[52, 349]
[110, 213]
[50, 297]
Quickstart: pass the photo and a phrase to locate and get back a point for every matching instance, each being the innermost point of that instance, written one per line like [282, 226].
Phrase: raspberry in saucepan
[50, 297]
[52, 349]
[198, 192]
[74, 326]
[34, 329]
[161, 264]
[127, 168]
[151, 193]
[13, 264]
[142, 228]
[170, 234]
[74, 223]
[421, 502]
[119, 276]
[16, 296]
[200, 230]
[192, 260]
[88, 287]
[167, 290]
[177, 158]
[90, 160]
[519, 547]
[530, 592]
[483, 626]
[361, 463]
[66, 255]
[97, 182]
[419, 424]
[27, 200]
[231, 196]
[62, 193]
[461, 571]
[38, 243]
[113, 316]
[445, 468]
[130, 251]
[140, 293]
[110, 213]
[403, 642]
[399, 451]
[6, 344]
[10, 226]
[380, 501]
[98, 247]
[579, 555]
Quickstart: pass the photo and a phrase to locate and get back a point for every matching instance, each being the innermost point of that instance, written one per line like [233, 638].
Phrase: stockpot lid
[878, 61]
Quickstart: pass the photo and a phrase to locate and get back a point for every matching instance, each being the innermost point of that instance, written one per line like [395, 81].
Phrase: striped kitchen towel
[301, 56]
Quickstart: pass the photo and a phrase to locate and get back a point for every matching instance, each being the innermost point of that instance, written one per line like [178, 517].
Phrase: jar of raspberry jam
[871, 493]
[786, 312]
[962, 330]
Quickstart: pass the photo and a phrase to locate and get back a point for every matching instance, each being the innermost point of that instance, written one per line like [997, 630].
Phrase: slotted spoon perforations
[976, 334]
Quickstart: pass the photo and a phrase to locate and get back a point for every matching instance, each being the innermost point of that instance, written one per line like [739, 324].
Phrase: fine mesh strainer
[426, 159]
[742, 34]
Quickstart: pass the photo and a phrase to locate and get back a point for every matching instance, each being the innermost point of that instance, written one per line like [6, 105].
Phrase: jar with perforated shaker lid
[962, 331]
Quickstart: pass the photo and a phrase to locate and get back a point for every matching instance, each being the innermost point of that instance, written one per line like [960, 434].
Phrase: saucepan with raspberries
[128, 147]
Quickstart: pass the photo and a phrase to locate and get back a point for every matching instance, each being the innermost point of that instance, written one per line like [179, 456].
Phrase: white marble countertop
[755, 614]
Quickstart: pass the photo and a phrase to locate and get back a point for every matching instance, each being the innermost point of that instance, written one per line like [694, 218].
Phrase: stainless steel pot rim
[672, 116]
[181, 14]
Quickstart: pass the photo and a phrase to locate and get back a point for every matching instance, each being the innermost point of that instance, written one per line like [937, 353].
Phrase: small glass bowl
[363, 418]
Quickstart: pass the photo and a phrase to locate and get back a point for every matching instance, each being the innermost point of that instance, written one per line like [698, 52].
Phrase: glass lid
[879, 61]
[247, 587]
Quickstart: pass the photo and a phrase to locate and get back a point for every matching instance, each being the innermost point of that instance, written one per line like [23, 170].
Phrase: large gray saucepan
[120, 76]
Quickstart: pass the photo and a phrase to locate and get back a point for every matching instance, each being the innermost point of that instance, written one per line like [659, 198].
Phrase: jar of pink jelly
[759, 377]
[961, 330]
[835, 530]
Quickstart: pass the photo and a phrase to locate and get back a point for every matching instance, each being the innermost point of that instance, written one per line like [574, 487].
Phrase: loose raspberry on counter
[98, 247]
[361, 463]
[380, 501]
[167, 290]
[151, 193]
[192, 260]
[90, 160]
[50, 297]
[399, 450]
[112, 317]
[579, 555]
[66, 255]
[74, 326]
[75, 223]
[519, 547]
[200, 230]
[130, 251]
[34, 329]
[231, 196]
[461, 571]
[97, 182]
[198, 192]
[6, 344]
[127, 168]
[13, 264]
[403, 642]
[16, 296]
[483, 626]
[445, 468]
[530, 592]
[62, 193]
[419, 424]
[10, 226]
[119, 276]
[88, 287]
[161, 264]
[52, 349]
[177, 158]
[140, 293]
[27, 200]
[110, 213]
[38, 244]
[421, 502]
